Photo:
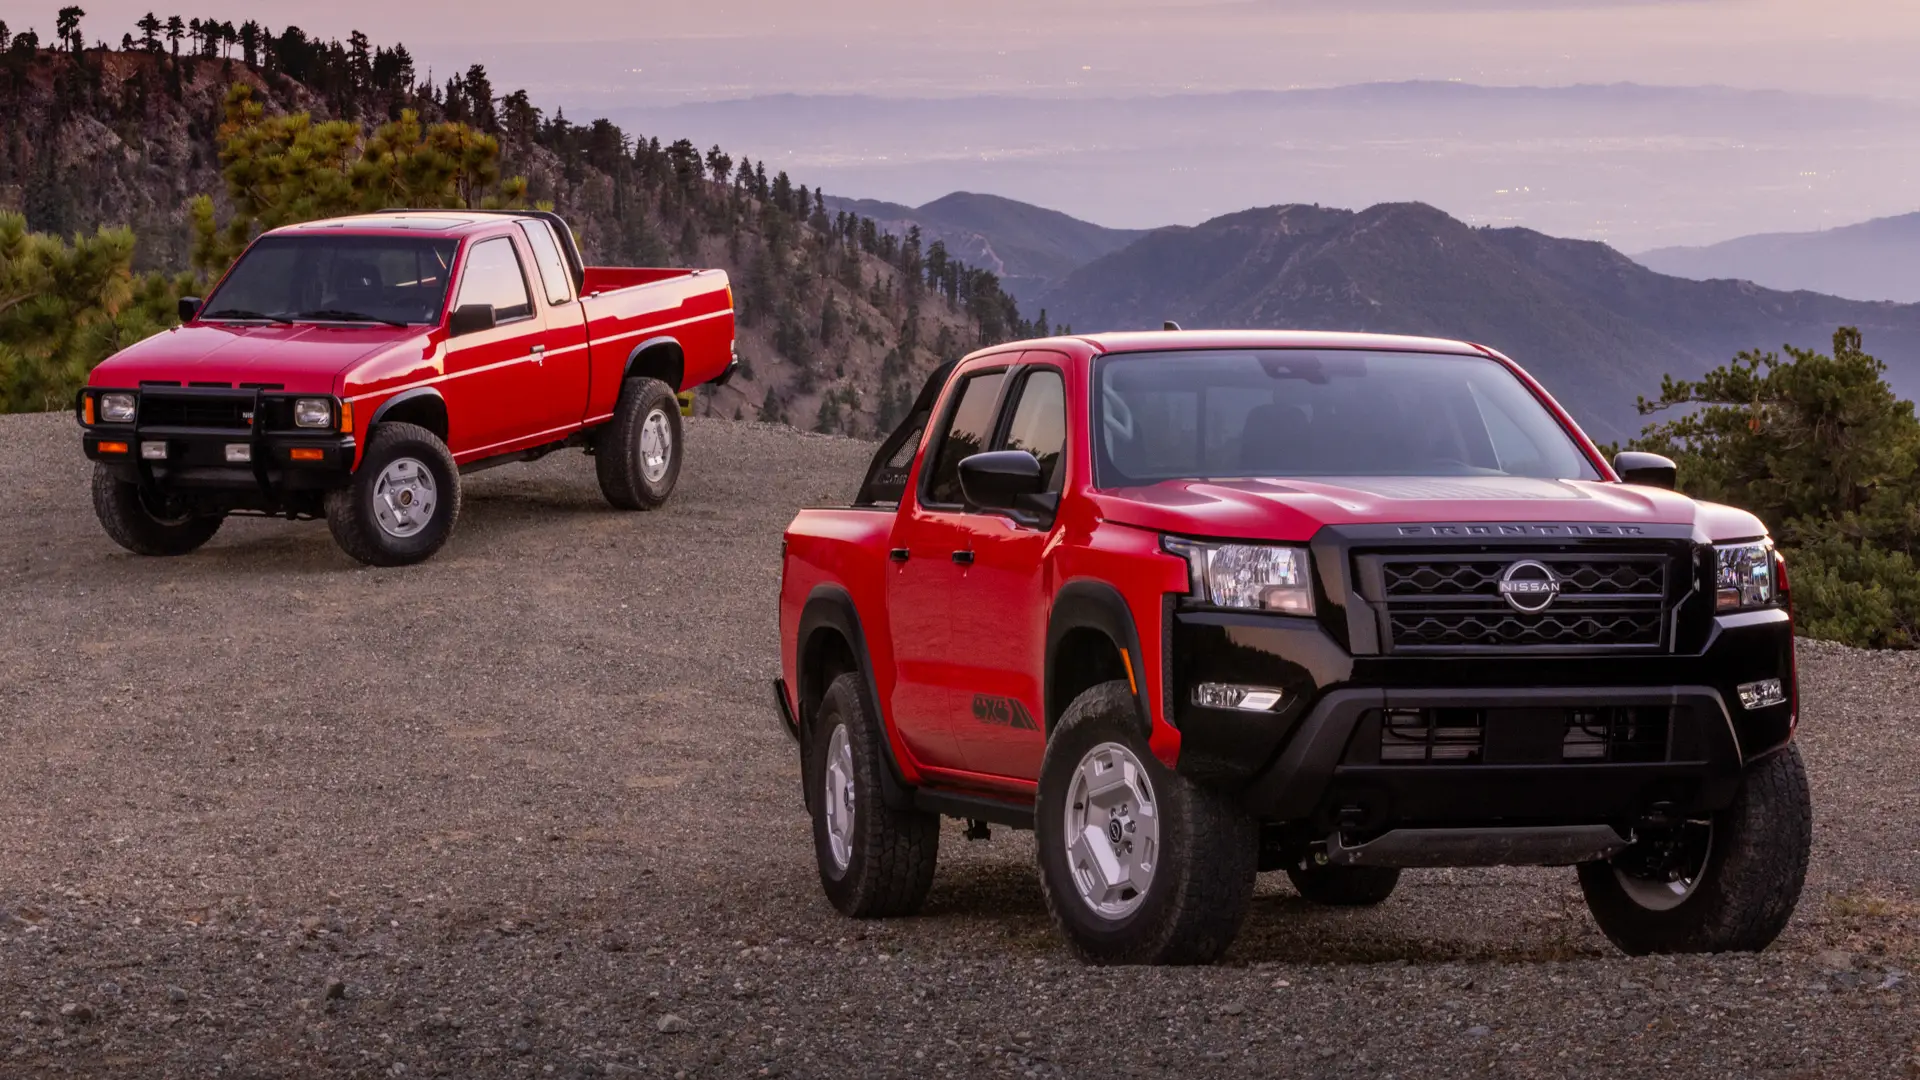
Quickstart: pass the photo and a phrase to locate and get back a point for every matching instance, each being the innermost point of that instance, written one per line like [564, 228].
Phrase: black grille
[1440, 603]
[1515, 736]
[200, 411]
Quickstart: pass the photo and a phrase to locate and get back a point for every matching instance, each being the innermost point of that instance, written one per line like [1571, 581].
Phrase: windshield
[1247, 413]
[308, 278]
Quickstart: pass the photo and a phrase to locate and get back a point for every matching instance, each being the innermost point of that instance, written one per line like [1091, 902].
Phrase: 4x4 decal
[1004, 712]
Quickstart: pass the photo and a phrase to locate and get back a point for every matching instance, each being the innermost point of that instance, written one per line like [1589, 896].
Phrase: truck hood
[1293, 510]
[301, 357]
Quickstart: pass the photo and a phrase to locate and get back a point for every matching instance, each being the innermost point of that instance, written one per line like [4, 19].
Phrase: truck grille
[1453, 736]
[199, 411]
[1590, 601]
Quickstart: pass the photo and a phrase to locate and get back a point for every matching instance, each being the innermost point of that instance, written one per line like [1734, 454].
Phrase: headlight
[116, 408]
[1743, 577]
[1257, 576]
[313, 412]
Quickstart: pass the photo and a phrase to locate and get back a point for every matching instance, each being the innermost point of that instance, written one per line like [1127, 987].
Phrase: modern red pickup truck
[1194, 606]
[354, 368]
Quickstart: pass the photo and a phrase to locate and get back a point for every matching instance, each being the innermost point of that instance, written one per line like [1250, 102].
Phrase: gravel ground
[523, 811]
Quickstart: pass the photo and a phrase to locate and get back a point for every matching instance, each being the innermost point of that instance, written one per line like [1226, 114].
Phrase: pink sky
[922, 47]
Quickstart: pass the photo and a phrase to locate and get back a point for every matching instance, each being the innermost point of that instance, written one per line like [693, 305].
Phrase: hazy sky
[692, 49]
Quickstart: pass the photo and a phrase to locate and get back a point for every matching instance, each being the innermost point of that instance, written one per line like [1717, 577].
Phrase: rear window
[1246, 413]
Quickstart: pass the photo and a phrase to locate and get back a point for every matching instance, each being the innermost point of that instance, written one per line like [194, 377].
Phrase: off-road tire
[350, 510]
[1207, 855]
[1343, 886]
[1756, 865]
[892, 852]
[617, 448]
[123, 513]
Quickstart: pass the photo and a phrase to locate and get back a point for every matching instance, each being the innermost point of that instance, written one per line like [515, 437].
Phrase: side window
[493, 276]
[1039, 424]
[553, 265]
[969, 427]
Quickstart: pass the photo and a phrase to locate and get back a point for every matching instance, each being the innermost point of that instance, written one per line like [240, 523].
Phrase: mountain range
[1030, 247]
[1874, 260]
[1596, 327]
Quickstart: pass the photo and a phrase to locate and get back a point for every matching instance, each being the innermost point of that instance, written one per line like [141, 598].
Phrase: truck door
[1000, 606]
[492, 381]
[560, 362]
[924, 571]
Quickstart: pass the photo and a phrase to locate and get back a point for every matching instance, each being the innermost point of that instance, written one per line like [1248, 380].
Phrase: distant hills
[1598, 328]
[1874, 260]
[1030, 247]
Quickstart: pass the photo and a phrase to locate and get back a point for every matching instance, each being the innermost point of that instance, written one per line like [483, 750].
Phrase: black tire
[1755, 864]
[354, 520]
[1203, 865]
[142, 529]
[618, 456]
[889, 854]
[1343, 886]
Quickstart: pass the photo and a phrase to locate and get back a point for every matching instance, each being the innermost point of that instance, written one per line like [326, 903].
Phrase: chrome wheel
[656, 445]
[1112, 831]
[404, 497]
[839, 797]
[1660, 874]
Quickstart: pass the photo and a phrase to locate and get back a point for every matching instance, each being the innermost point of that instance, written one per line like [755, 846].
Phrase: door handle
[540, 355]
[964, 558]
[899, 554]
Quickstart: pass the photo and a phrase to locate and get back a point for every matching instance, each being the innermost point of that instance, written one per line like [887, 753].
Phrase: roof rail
[567, 245]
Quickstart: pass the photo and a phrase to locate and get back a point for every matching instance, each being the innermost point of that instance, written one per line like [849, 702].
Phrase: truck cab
[1199, 605]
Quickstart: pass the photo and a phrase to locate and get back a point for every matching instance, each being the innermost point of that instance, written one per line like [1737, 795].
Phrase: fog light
[153, 451]
[1229, 696]
[1759, 695]
[239, 452]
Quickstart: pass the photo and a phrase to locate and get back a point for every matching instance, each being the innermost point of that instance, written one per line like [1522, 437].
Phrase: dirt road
[523, 811]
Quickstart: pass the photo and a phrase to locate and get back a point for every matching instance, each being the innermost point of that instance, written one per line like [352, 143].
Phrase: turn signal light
[86, 409]
[113, 448]
[307, 453]
[346, 416]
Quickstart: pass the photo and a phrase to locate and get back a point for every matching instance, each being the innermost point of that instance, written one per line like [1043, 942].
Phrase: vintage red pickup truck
[1197, 605]
[354, 368]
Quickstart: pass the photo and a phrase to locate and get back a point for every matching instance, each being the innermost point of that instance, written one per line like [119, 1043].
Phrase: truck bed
[629, 308]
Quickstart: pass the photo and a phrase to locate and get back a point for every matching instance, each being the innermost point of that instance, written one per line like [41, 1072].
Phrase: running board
[1549, 845]
[975, 808]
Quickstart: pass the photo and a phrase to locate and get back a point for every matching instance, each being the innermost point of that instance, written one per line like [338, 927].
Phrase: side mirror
[1652, 470]
[470, 319]
[999, 479]
[189, 307]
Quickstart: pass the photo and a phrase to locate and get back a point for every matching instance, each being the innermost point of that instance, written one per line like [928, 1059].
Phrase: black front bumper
[194, 467]
[1316, 761]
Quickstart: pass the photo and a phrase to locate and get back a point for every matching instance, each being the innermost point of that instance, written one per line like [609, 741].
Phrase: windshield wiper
[243, 313]
[340, 315]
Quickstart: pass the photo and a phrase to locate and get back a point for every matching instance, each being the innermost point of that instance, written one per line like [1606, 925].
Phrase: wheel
[1343, 886]
[875, 861]
[142, 527]
[402, 501]
[1139, 865]
[1727, 884]
[638, 453]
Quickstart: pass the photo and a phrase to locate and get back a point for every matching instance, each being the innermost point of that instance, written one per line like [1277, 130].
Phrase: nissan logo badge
[1528, 587]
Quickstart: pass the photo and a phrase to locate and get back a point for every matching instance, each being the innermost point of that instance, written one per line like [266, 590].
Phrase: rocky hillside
[840, 318]
[1596, 327]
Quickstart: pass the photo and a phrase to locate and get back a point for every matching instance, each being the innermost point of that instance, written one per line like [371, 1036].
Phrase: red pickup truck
[354, 368]
[1194, 606]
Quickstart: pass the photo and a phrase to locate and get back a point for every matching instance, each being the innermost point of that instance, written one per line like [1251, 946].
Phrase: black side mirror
[470, 319]
[1636, 467]
[998, 480]
[189, 307]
